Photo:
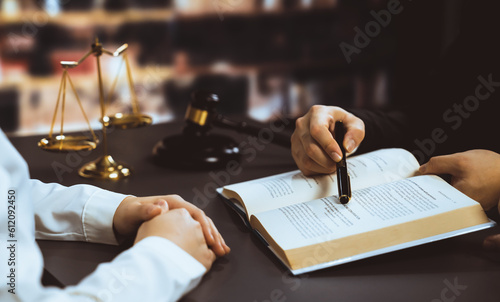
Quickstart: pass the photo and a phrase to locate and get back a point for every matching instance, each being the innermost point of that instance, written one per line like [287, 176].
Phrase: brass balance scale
[105, 167]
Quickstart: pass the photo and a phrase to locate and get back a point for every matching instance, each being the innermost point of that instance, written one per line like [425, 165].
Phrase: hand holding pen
[314, 148]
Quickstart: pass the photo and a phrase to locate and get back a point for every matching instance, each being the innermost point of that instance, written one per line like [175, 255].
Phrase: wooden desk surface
[456, 269]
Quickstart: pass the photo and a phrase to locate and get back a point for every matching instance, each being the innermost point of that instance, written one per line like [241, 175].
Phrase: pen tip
[344, 199]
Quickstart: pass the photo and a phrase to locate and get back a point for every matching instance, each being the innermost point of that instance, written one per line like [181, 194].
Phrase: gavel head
[195, 148]
[200, 112]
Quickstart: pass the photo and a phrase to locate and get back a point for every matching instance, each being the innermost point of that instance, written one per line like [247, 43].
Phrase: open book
[305, 225]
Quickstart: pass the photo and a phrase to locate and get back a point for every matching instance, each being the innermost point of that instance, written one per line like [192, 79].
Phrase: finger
[355, 132]
[444, 164]
[217, 246]
[200, 216]
[162, 204]
[224, 249]
[150, 210]
[315, 152]
[492, 243]
[309, 167]
[322, 123]
[176, 201]
[225, 246]
[197, 214]
[216, 243]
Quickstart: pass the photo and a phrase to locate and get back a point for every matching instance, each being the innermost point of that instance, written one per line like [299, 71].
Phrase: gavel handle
[281, 139]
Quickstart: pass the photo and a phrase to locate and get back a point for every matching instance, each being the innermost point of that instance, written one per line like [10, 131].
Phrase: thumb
[354, 127]
[444, 164]
[492, 243]
[151, 210]
[355, 133]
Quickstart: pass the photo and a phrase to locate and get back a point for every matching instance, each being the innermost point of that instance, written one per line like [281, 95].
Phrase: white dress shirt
[155, 269]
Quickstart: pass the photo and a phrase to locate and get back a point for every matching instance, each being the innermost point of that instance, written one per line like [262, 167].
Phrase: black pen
[343, 181]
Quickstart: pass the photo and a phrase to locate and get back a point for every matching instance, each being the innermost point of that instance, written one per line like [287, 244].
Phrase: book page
[371, 208]
[365, 170]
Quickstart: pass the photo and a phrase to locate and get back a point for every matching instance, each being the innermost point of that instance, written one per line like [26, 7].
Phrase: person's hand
[314, 148]
[179, 227]
[135, 210]
[475, 173]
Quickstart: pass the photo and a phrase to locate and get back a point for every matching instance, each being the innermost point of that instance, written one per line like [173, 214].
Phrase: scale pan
[67, 143]
[127, 121]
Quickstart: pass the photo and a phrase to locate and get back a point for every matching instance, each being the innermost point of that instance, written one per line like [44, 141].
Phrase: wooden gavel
[202, 115]
[196, 148]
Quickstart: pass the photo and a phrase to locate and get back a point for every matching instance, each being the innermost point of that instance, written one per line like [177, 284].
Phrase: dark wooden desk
[251, 272]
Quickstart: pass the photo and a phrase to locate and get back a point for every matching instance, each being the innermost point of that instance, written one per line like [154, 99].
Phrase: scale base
[105, 167]
[204, 152]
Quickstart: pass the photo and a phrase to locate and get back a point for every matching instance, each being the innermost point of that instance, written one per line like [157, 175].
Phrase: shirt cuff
[98, 216]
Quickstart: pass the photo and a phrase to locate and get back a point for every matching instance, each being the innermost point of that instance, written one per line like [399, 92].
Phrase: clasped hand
[173, 218]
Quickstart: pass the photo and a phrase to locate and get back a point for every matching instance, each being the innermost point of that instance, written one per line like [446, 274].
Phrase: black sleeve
[383, 129]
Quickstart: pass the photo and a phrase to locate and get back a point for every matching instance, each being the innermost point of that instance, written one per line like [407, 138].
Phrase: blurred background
[263, 57]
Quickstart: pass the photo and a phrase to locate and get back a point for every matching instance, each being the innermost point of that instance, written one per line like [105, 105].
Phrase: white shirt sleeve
[155, 269]
[80, 212]
[136, 268]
